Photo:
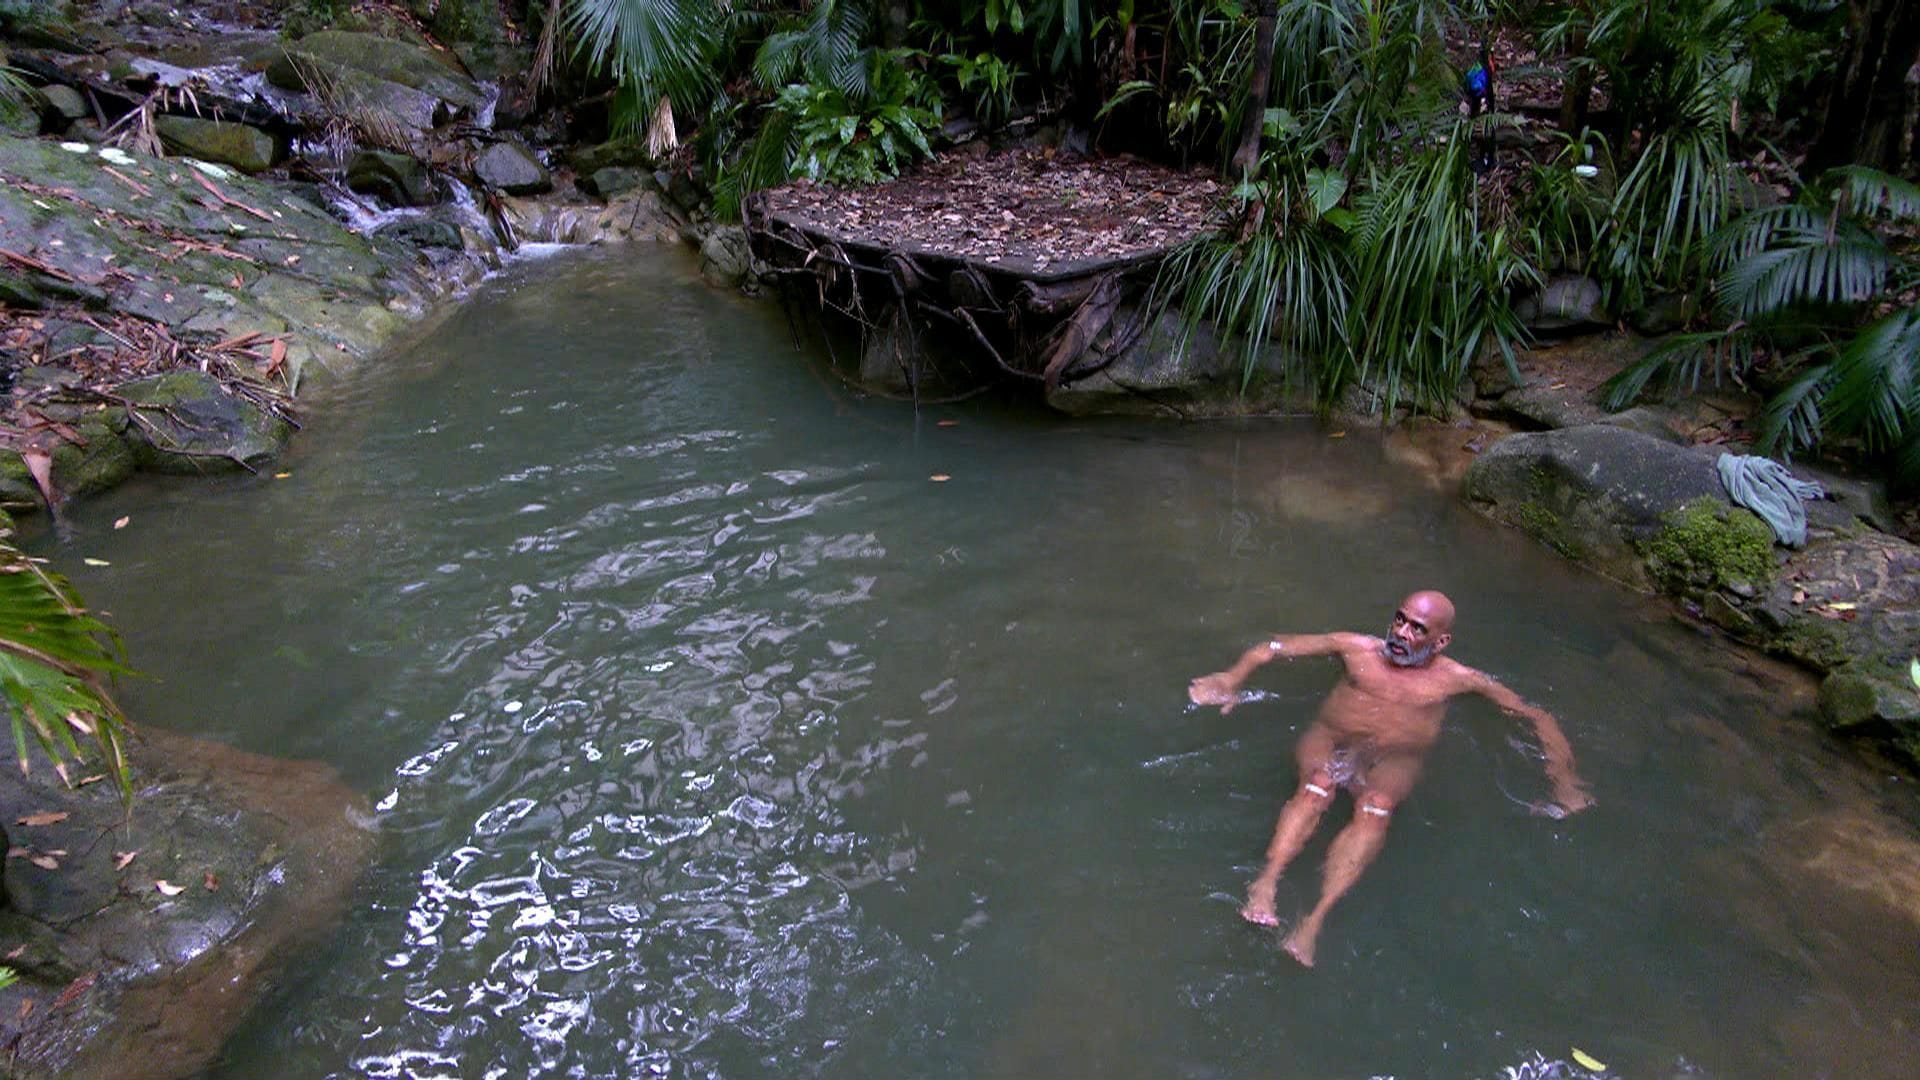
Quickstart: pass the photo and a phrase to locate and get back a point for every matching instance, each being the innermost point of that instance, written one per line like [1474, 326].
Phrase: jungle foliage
[1366, 244]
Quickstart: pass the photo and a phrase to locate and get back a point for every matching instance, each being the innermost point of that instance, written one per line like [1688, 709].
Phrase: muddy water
[711, 737]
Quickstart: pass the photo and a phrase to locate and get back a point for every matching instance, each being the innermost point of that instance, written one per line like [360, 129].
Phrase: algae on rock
[1708, 544]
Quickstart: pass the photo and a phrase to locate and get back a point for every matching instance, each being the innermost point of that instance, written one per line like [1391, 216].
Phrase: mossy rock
[1597, 494]
[1864, 694]
[192, 424]
[245, 148]
[1708, 544]
[101, 460]
[1813, 641]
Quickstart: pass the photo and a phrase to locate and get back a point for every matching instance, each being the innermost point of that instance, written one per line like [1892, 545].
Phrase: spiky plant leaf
[55, 660]
[1873, 192]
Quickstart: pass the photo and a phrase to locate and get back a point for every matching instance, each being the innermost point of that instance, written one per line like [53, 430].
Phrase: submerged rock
[144, 963]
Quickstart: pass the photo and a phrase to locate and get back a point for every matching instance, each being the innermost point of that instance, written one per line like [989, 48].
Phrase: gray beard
[1400, 654]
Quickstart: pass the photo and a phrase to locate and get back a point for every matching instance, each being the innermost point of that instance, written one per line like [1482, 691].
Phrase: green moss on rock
[1707, 544]
[1813, 641]
[1547, 527]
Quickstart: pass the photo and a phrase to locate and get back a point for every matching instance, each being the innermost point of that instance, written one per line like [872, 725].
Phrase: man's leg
[1297, 821]
[1387, 782]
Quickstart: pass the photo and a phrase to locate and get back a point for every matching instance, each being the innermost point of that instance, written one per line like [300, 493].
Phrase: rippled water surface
[710, 737]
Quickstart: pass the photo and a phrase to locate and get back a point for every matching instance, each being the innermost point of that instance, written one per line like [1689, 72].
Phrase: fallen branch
[229, 200]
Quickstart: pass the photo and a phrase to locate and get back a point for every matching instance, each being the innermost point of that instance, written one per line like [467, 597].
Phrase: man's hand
[1219, 688]
[1569, 797]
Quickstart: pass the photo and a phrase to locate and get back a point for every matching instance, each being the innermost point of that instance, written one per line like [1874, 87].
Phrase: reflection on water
[709, 738]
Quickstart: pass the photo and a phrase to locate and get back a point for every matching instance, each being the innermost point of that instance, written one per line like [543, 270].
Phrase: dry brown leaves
[1026, 208]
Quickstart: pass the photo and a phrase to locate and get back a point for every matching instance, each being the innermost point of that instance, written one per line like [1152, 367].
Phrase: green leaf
[1913, 672]
[1326, 189]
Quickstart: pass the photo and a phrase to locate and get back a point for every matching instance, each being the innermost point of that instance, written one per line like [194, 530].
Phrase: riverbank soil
[142, 936]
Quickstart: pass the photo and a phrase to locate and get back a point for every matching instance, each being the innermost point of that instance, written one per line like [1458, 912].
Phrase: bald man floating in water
[1371, 738]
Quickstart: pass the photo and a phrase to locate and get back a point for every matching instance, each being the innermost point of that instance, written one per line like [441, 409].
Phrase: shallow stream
[710, 736]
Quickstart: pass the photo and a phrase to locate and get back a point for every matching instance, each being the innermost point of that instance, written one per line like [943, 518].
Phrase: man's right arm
[1222, 688]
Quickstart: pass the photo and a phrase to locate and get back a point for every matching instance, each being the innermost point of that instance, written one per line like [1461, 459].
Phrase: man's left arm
[1568, 789]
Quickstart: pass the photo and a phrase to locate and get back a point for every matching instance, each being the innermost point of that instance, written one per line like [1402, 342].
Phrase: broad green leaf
[1326, 188]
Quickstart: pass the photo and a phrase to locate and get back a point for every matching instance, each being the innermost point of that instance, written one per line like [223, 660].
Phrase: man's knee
[1318, 786]
[1375, 806]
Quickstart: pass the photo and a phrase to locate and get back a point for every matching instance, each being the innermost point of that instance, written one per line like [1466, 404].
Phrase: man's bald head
[1422, 627]
[1434, 609]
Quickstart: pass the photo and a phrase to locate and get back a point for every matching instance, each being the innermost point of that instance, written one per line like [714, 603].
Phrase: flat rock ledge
[144, 966]
[1652, 514]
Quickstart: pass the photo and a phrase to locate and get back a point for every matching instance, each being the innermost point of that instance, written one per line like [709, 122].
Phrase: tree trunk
[1247, 155]
[1866, 111]
[1577, 93]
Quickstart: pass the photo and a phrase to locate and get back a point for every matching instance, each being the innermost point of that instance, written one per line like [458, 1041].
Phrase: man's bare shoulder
[1461, 678]
[1353, 642]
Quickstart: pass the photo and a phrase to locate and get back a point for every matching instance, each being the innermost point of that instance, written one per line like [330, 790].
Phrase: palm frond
[663, 47]
[1433, 278]
[55, 660]
[1801, 265]
[1875, 387]
[1873, 192]
[1791, 419]
[1685, 361]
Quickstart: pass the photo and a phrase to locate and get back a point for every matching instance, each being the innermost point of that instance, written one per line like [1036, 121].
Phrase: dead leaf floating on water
[168, 888]
[45, 860]
[939, 478]
[45, 817]
[122, 858]
[122, 522]
[212, 883]
[281, 475]
[90, 561]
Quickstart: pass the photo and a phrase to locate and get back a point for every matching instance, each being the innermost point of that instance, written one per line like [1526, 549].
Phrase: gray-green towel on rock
[1765, 487]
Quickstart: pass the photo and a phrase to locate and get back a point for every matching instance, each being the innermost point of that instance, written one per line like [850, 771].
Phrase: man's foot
[1259, 909]
[1299, 944]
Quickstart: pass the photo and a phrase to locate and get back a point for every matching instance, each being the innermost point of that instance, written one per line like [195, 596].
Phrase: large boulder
[245, 148]
[512, 168]
[332, 51]
[1598, 494]
[187, 422]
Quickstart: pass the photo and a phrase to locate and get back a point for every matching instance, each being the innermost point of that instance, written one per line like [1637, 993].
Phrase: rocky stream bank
[203, 209]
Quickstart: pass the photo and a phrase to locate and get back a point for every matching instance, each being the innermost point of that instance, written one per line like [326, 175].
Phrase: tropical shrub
[1825, 289]
[1284, 279]
[1435, 269]
[847, 140]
